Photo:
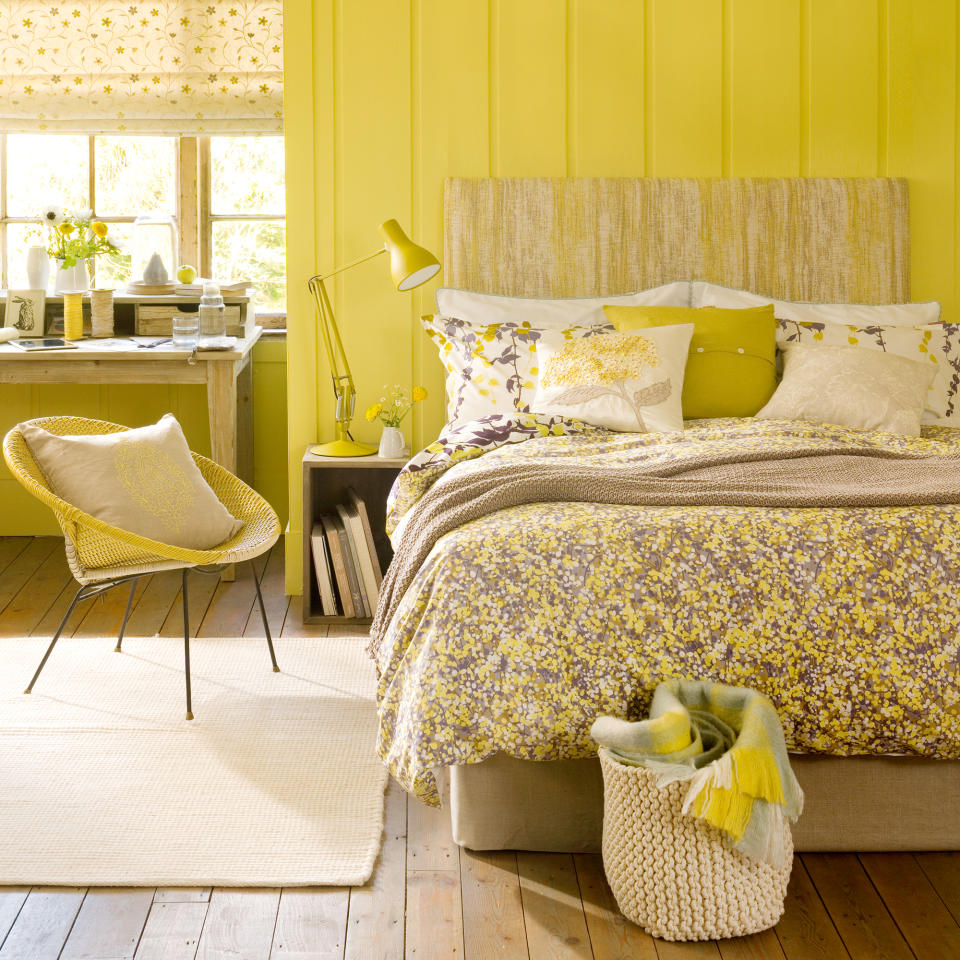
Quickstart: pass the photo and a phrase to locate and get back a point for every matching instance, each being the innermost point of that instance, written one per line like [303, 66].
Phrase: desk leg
[222, 413]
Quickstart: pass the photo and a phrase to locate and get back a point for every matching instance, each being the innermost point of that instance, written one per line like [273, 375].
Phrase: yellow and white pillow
[629, 381]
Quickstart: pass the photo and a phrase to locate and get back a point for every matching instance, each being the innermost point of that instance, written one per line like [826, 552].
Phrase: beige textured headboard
[838, 240]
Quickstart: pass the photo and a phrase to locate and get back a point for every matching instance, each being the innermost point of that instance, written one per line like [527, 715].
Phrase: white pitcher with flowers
[74, 240]
[391, 411]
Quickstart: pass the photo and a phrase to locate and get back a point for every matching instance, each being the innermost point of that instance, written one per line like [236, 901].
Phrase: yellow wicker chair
[102, 556]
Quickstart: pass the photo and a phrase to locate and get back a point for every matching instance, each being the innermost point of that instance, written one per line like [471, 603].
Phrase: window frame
[194, 218]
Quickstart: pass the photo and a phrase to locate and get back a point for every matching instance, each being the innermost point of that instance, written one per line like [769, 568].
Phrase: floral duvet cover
[522, 626]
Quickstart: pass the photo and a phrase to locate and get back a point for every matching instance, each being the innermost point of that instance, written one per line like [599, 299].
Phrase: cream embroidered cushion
[142, 480]
[858, 314]
[624, 381]
[864, 389]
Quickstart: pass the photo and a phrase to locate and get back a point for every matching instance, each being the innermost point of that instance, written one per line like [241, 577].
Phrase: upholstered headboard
[822, 239]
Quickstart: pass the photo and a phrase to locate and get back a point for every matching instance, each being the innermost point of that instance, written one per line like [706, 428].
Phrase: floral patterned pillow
[934, 343]
[492, 368]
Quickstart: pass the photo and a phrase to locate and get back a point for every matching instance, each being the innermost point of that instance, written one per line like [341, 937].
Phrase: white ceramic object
[391, 443]
[155, 271]
[75, 279]
[38, 268]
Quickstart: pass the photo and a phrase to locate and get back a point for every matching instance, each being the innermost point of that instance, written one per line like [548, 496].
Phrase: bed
[486, 691]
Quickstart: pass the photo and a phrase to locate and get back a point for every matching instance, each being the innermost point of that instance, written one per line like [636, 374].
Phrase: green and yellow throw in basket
[697, 808]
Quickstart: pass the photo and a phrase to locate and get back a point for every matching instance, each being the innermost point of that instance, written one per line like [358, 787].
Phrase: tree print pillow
[937, 344]
[629, 381]
[492, 368]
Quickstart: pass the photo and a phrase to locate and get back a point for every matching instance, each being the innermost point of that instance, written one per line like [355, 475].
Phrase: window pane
[135, 175]
[246, 175]
[46, 169]
[254, 251]
[20, 236]
[110, 273]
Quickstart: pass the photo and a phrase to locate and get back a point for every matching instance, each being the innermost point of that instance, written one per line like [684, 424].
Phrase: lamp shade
[410, 264]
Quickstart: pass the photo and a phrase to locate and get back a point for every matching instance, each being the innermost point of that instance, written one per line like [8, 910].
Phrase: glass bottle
[213, 326]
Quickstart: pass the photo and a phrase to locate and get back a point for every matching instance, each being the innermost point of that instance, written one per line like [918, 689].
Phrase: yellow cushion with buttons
[732, 365]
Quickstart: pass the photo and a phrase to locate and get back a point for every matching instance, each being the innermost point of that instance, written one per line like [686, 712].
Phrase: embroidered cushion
[864, 389]
[623, 381]
[142, 480]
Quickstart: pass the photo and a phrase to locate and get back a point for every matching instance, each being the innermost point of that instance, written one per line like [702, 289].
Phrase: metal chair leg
[126, 615]
[186, 643]
[263, 615]
[56, 637]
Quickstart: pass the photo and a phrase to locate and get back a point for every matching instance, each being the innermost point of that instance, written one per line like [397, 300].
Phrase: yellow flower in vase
[419, 393]
[99, 228]
[373, 411]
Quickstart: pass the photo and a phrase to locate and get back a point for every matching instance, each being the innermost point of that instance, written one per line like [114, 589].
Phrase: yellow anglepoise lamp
[410, 266]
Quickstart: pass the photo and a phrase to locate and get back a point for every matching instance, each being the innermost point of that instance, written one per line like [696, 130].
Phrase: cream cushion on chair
[143, 480]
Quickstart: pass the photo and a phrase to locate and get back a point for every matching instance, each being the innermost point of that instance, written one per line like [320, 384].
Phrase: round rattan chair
[102, 556]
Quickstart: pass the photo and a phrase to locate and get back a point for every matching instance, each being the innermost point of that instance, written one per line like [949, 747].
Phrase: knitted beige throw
[859, 477]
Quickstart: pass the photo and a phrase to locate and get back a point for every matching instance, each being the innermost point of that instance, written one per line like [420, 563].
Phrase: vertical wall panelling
[685, 75]
[844, 88]
[531, 106]
[308, 124]
[606, 108]
[373, 164]
[393, 97]
[922, 65]
[451, 59]
[762, 67]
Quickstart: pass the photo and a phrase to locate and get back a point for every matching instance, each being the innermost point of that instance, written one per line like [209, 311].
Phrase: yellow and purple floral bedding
[525, 625]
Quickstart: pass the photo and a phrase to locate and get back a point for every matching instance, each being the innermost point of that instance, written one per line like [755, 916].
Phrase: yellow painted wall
[22, 515]
[385, 98]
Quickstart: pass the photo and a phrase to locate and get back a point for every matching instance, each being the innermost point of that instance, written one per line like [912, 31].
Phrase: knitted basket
[672, 874]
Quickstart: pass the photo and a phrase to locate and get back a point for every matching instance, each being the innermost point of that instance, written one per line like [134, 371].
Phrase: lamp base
[342, 448]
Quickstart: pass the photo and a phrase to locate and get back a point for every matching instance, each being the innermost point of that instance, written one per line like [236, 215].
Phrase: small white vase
[38, 268]
[75, 279]
[391, 443]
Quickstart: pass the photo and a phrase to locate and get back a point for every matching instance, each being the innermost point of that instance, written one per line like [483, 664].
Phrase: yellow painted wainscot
[383, 100]
[136, 405]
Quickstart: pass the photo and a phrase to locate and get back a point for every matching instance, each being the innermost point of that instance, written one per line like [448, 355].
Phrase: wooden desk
[228, 375]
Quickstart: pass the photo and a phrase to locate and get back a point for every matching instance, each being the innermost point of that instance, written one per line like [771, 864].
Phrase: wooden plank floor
[427, 897]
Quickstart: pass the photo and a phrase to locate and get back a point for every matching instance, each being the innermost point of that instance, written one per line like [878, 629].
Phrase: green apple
[186, 274]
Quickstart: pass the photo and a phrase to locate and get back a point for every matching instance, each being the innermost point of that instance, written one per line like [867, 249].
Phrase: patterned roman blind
[104, 66]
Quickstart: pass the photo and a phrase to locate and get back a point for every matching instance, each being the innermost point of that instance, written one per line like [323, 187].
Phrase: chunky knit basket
[672, 874]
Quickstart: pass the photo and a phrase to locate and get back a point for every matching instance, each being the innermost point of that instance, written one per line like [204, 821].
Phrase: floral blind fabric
[159, 67]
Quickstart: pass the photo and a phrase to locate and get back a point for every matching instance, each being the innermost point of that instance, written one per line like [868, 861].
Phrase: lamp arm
[347, 266]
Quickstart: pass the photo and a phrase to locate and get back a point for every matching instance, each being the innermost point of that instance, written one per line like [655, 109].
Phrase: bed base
[852, 803]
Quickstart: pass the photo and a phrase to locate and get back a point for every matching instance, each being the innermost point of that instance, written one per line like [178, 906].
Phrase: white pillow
[143, 480]
[864, 389]
[487, 308]
[859, 314]
[629, 381]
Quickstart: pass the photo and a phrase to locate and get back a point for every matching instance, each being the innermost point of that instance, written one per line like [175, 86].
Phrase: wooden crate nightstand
[325, 484]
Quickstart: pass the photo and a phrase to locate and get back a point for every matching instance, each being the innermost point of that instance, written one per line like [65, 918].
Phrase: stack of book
[345, 561]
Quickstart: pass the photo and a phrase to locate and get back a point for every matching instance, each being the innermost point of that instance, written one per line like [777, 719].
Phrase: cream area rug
[103, 782]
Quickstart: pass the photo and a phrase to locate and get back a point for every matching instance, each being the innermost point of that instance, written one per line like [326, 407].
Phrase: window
[225, 193]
